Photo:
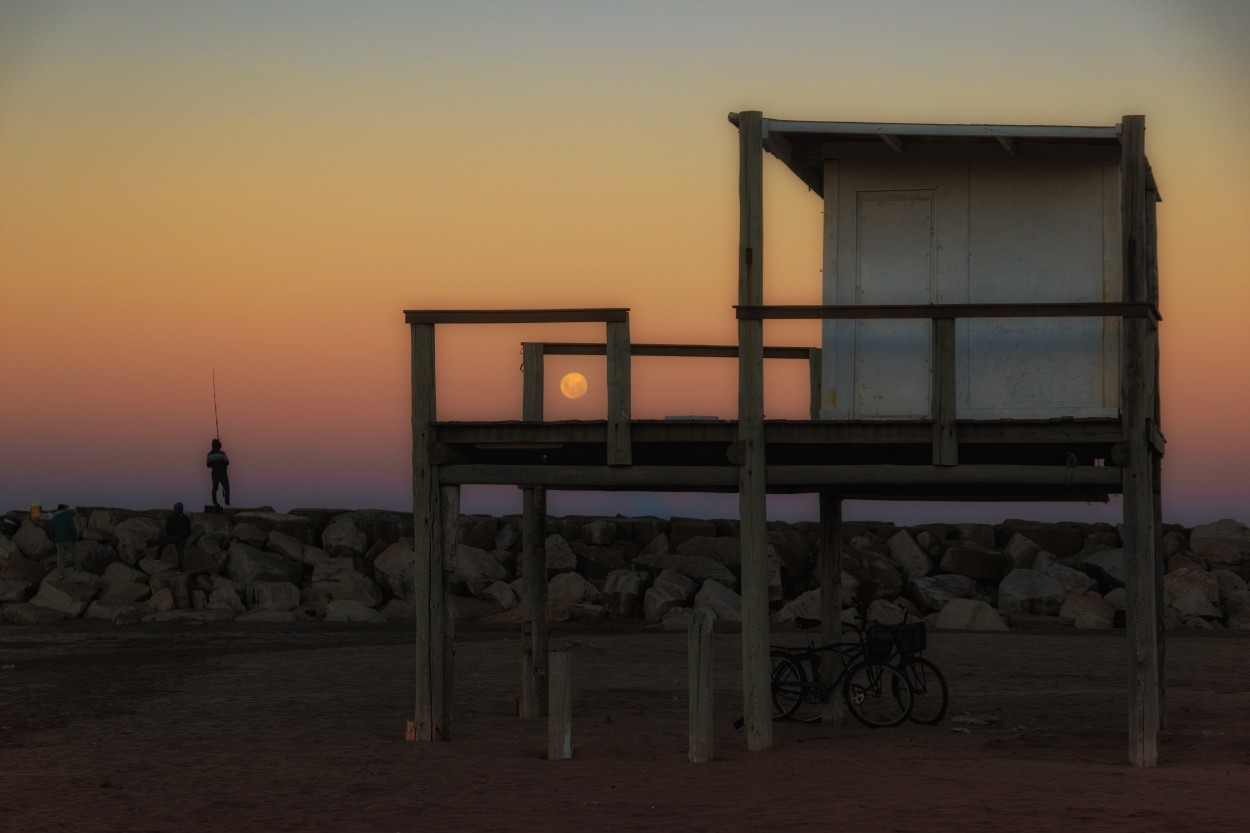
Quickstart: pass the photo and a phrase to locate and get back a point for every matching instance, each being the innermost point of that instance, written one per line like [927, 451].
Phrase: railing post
[619, 451]
[699, 659]
[942, 396]
[813, 382]
[560, 716]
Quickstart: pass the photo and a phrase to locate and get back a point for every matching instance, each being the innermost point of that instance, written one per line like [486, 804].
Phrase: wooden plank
[796, 129]
[560, 715]
[697, 351]
[752, 486]
[427, 540]
[1091, 309]
[942, 398]
[534, 629]
[1137, 399]
[619, 394]
[515, 316]
[532, 382]
[813, 382]
[829, 575]
[699, 661]
[815, 475]
[443, 608]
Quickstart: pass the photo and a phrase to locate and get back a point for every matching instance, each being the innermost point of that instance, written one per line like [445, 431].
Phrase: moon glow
[573, 386]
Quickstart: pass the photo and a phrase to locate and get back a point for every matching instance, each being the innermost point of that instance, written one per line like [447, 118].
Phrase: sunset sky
[260, 188]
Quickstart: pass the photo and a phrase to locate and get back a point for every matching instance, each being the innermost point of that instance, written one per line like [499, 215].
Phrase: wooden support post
[444, 627]
[432, 707]
[1137, 406]
[699, 657]
[532, 376]
[813, 382]
[560, 717]
[1152, 336]
[829, 574]
[620, 452]
[752, 486]
[942, 399]
[534, 602]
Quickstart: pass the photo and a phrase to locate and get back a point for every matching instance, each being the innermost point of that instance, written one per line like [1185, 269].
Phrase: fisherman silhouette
[218, 462]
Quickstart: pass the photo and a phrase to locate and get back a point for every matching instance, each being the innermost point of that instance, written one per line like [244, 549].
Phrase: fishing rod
[216, 424]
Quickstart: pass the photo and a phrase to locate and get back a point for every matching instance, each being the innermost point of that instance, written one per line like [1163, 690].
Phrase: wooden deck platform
[999, 460]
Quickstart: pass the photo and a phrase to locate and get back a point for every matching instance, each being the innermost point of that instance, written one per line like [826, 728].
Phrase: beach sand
[300, 728]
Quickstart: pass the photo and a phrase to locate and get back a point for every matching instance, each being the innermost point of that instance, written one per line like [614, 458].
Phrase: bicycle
[930, 696]
[875, 693]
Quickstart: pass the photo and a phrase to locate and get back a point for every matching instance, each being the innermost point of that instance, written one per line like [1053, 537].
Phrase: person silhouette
[177, 531]
[218, 462]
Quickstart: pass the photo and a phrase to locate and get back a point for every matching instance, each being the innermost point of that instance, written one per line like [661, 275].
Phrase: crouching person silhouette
[177, 531]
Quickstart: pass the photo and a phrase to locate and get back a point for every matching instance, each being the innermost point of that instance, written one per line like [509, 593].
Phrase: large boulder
[974, 561]
[1107, 567]
[682, 529]
[478, 531]
[342, 537]
[599, 533]
[499, 593]
[395, 569]
[33, 541]
[272, 595]
[342, 568]
[1028, 591]
[358, 588]
[981, 535]
[225, 595]
[571, 588]
[477, 568]
[969, 615]
[94, 556]
[288, 546]
[1185, 579]
[669, 590]
[134, 536]
[103, 519]
[910, 557]
[1196, 603]
[249, 534]
[1061, 540]
[8, 549]
[695, 567]
[1223, 545]
[716, 597]
[806, 606]
[1071, 579]
[597, 561]
[69, 596]
[1085, 606]
[248, 565]
[15, 590]
[622, 591]
[1021, 553]
[935, 592]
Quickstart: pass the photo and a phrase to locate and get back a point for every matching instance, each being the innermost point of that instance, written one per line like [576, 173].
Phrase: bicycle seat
[806, 624]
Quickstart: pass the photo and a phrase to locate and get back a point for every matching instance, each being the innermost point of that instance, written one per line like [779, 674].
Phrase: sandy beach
[249, 728]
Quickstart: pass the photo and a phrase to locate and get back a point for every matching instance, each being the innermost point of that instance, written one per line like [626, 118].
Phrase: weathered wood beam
[829, 575]
[942, 396]
[968, 131]
[1138, 401]
[699, 673]
[813, 381]
[619, 394]
[534, 628]
[752, 484]
[515, 316]
[532, 381]
[431, 707]
[815, 476]
[884, 311]
[697, 351]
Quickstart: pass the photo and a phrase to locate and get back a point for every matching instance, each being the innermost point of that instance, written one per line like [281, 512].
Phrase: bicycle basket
[910, 638]
[878, 644]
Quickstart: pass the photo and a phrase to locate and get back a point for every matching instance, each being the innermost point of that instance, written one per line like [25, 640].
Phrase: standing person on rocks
[218, 462]
[64, 534]
[177, 531]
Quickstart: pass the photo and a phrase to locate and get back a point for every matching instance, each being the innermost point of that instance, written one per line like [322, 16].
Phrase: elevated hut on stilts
[990, 333]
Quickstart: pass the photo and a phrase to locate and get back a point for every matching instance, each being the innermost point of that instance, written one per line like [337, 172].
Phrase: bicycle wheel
[789, 685]
[928, 688]
[877, 695]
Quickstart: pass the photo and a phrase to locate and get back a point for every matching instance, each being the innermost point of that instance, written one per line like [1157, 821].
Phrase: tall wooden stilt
[829, 572]
[1137, 408]
[533, 556]
[444, 627]
[620, 452]
[432, 705]
[534, 604]
[752, 487]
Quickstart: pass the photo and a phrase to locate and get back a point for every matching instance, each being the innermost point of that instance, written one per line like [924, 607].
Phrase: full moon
[573, 385]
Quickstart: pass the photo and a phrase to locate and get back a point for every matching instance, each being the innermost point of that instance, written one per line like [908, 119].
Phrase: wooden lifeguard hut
[990, 333]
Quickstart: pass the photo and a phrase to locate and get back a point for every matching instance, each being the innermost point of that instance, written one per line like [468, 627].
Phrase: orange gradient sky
[262, 188]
